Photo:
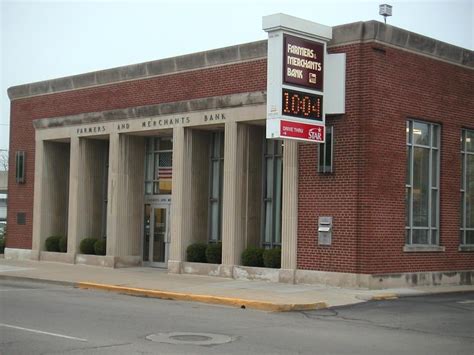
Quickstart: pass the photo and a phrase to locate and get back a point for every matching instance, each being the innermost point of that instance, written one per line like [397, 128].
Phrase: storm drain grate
[184, 338]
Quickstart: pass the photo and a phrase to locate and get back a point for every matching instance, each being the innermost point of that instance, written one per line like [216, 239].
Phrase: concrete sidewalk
[152, 282]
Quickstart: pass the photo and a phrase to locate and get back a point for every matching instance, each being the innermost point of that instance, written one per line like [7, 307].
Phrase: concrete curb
[227, 301]
[384, 297]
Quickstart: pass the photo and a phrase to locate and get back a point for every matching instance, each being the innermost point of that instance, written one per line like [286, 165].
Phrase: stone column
[256, 136]
[234, 207]
[86, 190]
[289, 228]
[180, 198]
[125, 199]
[38, 200]
[74, 193]
[201, 143]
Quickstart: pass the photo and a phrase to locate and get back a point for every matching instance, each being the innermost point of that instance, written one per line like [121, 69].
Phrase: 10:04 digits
[302, 105]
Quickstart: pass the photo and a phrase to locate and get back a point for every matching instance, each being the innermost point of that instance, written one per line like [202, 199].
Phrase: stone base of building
[434, 278]
[17, 254]
[108, 261]
[72, 258]
[57, 257]
[238, 272]
[336, 279]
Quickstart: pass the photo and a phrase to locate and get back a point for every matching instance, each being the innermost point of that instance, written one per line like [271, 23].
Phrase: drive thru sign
[295, 78]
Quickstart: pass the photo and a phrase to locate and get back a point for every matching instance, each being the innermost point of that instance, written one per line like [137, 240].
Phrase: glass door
[156, 238]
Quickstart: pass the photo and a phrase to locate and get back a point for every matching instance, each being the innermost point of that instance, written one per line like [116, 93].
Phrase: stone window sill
[466, 247]
[423, 248]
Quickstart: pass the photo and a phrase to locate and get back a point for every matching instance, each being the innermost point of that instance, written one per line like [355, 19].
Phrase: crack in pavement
[341, 318]
[86, 348]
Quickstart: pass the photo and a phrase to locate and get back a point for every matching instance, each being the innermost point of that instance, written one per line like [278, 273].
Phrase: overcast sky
[48, 39]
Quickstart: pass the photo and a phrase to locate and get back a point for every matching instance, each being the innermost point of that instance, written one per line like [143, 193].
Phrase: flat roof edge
[172, 65]
[404, 39]
[357, 32]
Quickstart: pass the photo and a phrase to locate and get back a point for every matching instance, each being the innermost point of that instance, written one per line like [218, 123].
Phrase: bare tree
[3, 160]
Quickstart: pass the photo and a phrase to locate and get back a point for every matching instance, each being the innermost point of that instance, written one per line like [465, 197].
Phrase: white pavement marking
[466, 301]
[41, 332]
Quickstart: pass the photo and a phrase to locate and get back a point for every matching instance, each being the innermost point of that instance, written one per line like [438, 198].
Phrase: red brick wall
[366, 194]
[223, 80]
[337, 194]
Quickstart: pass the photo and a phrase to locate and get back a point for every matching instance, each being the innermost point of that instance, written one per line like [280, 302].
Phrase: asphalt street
[38, 318]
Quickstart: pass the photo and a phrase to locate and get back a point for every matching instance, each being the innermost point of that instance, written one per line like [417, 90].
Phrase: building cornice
[180, 107]
[358, 32]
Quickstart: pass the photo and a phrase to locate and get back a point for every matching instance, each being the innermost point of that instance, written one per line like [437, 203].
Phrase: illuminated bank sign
[303, 62]
[296, 78]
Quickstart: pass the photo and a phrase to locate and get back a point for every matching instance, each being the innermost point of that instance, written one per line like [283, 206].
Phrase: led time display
[302, 105]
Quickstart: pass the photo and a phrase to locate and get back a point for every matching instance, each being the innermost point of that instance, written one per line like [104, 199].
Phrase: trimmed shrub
[63, 244]
[100, 247]
[196, 253]
[52, 243]
[214, 253]
[3, 237]
[87, 245]
[252, 256]
[272, 258]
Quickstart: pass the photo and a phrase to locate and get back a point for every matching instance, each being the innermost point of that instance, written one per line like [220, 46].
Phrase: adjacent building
[159, 155]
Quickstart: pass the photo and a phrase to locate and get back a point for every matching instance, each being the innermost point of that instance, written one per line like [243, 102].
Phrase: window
[272, 185]
[326, 152]
[216, 166]
[158, 166]
[20, 167]
[467, 187]
[422, 183]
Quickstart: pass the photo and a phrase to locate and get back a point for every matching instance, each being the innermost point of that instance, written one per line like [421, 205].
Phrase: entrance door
[156, 239]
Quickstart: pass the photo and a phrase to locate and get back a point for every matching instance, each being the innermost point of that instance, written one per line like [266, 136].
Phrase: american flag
[165, 164]
[165, 172]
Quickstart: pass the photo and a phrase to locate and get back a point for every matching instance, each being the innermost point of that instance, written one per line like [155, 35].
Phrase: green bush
[87, 246]
[272, 258]
[214, 253]
[196, 253]
[63, 244]
[52, 243]
[3, 237]
[252, 256]
[100, 247]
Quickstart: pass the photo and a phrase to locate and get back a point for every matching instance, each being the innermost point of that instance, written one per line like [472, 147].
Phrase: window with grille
[272, 188]
[422, 183]
[216, 166]
[158, 166]
[467, 187]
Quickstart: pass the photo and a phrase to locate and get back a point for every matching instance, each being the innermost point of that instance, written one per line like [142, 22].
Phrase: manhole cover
[190, 338]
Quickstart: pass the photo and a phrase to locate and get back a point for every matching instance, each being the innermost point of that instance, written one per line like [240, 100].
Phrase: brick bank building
[159, 155]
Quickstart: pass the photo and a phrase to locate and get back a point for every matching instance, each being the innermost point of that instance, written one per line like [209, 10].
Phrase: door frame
[150, 262]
